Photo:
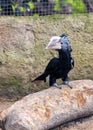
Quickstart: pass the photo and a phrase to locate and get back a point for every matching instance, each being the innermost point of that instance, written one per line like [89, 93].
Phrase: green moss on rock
[22, 50]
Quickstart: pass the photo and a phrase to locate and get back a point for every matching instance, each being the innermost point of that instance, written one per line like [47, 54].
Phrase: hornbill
[58, 67]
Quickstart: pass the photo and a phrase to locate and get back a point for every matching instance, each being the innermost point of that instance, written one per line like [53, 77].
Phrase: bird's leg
[52, 82]
[56, 85]
[66, 82]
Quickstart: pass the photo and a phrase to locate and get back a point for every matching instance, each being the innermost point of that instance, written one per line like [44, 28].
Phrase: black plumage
[58, 68]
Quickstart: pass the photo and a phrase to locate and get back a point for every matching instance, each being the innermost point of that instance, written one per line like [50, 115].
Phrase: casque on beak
[55, 43]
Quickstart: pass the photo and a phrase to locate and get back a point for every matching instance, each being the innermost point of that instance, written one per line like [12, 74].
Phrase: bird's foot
[67, 83]
[56, 85]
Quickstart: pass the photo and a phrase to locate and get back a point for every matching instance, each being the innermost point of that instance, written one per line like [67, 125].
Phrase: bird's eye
[61, 42]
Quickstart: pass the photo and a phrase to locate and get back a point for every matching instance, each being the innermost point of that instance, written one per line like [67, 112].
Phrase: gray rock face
[22, 50]
[16, 41]
[50, 108]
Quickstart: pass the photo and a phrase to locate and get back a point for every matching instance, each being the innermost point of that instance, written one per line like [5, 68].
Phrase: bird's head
[54, 43]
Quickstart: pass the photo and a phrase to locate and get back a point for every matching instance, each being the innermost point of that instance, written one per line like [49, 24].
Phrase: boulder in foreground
[50, 108]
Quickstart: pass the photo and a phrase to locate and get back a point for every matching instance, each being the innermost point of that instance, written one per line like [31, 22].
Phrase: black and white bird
[58, 67]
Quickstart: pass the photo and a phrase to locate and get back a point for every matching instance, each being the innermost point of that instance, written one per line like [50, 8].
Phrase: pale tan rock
[50, 108]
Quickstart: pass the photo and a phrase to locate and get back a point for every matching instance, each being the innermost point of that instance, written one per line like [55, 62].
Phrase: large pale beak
[55, 43]
[53, 47]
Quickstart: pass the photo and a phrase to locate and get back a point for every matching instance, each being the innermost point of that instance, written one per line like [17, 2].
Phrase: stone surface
[50, 108]
[22, 50]
[82, 124]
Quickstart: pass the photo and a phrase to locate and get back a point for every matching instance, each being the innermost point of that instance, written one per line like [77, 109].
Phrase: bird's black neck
[63, 54]
[64, 57]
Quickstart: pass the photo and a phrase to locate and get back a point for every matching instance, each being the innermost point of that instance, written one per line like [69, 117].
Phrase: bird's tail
[41, 77]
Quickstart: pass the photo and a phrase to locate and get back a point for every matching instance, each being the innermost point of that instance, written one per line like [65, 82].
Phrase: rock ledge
[49, 108]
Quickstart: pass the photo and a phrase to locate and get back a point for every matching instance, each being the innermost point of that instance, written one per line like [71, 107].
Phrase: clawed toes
[67, 83]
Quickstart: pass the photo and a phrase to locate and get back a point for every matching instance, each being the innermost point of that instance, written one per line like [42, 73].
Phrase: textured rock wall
[22, 53]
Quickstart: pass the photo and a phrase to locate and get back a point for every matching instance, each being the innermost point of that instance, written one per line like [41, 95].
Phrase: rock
[50, 108]
[81, 124]
[22, 50]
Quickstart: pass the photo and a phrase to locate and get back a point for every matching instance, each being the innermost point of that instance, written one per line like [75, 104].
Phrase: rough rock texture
[50, 108]
[22, 50]
[81, 124]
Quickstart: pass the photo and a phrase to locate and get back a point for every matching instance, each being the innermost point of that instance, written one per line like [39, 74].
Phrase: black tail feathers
[41, 77]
